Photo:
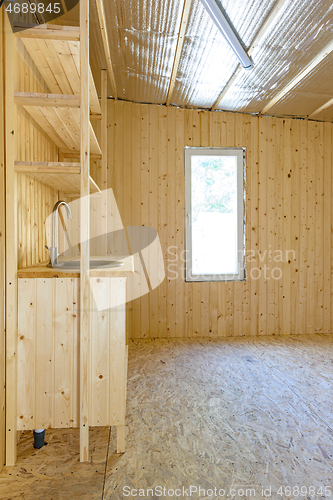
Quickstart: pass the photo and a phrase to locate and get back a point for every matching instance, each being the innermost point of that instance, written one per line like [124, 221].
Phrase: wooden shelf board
[44, 167]
[58, 61]
[47, 163]
[76, 155]
[46, 100]
[68, 183]
[62, 125]
[47, 31]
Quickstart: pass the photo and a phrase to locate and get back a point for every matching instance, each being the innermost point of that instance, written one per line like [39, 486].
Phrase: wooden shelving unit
[58, 113]
[55, 51]
[61, 55]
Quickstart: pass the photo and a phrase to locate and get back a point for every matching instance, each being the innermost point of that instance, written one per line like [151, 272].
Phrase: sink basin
[94, 264]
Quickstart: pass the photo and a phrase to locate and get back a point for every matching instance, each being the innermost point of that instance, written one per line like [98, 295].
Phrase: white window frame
[240, 153]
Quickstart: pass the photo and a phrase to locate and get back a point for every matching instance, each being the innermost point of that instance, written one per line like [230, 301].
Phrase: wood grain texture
[11, 248]
[288, 217]
[226, 420]
[50, 31]
[62, 182]
[85, 299]
[32, 144]
[104, 162]
[2, 256]
[106, 46]
[179, 48]
[47, 167]
[31, 198]
[40, 99]
[49, 348]
[57, 471]
[59, 65]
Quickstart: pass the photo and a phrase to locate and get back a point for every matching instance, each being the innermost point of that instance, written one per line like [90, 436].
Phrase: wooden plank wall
[35, 200]
[2, 255]
[288, 217]
[48, 354]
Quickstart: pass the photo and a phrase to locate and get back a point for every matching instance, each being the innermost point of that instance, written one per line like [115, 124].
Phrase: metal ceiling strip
[257, 39]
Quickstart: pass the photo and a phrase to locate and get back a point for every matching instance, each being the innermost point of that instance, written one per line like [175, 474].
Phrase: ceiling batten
[179, 48]
[317, 60]
[106, 46]
[257, 39]
[327, 104]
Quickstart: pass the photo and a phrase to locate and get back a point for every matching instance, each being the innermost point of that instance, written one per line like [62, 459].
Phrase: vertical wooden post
[11, 250]
[2, 257]
[104, 148]
[84, 234]
[104, 126]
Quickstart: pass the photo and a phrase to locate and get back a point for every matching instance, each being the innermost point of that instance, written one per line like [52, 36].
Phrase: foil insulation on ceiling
[207, 60]
[143, 38]
[326, 115]
[295, 37]
[310, 94]
[200, 69]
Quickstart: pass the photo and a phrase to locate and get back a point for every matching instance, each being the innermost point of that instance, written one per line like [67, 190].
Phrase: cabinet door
[108, 351]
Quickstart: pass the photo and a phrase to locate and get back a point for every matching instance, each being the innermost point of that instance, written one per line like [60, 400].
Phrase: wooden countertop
[42, 271]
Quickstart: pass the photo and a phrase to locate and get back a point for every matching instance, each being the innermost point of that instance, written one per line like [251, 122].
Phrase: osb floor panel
[231, 413]
[55, 472]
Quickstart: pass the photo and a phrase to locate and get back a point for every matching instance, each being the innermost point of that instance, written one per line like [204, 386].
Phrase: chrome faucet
[54, 248]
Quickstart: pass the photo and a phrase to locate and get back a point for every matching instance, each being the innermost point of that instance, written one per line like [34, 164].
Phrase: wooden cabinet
[48, 353]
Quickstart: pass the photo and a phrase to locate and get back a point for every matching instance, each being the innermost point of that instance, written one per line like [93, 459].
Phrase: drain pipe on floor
[39, 438]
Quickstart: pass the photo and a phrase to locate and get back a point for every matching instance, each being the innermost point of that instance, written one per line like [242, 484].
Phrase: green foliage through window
[213, 184]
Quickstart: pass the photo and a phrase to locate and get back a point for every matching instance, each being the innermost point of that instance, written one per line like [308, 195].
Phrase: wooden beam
[327, 104]
[105, 40]
[313, 64]
[227, 87]
[257, 40]
[2, 255]
[43, 167]
[54, 100]
[93, 139]
[63, 3]
[47, 163]
[11, 250]
[94, 184]
[93, 156]
[179, 48]
[95, 116]
[71, 195]
[49, 31]
[84, 233]
[120, 439]
[104, 148]
[104, 128]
